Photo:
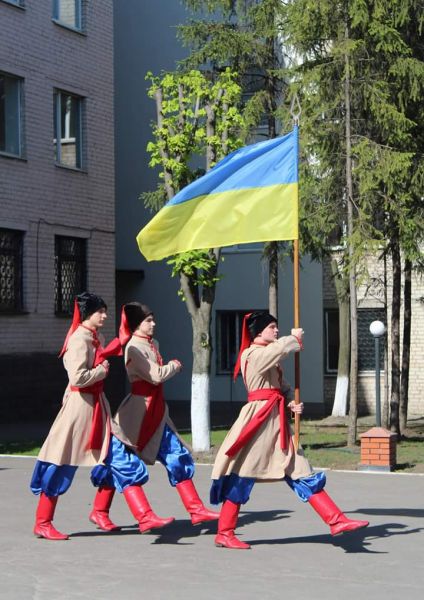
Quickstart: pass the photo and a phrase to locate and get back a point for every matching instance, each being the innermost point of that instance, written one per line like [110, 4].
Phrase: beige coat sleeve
[76, 359]
[144, 368]
[273, 353]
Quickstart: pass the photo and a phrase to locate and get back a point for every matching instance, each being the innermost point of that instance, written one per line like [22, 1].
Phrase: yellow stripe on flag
[232, 217]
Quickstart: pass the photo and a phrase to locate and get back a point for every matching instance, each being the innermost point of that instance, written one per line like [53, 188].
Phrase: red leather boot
[226, 525]
[142, 511]
[100, 513]
[43, 527]
[332, 515]
[193, 504]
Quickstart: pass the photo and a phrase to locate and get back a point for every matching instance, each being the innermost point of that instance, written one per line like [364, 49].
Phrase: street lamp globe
[377, 329]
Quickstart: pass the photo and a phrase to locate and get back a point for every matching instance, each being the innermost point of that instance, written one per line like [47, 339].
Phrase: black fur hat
[88, 304]
[257, 322]
[136, 313]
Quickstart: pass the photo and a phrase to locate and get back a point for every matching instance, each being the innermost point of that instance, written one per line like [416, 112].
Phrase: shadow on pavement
[398, 512]
[172, 534]
[354, 542]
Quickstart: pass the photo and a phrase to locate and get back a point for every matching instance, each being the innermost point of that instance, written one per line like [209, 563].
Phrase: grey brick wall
[44, 199]
[369, 297]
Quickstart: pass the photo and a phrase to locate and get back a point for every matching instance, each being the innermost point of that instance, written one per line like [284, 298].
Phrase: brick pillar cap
[377, 432]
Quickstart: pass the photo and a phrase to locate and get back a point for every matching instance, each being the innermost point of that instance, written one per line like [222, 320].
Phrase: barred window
[366, 345]
[11, 250]
[366, 342]
[70, 272]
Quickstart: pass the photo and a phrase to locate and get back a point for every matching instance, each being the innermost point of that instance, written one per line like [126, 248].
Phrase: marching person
[259, 447]
[143, 417]
[82, 433]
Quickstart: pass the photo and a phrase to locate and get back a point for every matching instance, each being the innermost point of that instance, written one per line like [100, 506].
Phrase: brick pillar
[378, 450]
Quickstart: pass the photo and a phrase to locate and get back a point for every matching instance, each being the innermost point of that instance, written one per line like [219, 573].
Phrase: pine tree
[381, 46]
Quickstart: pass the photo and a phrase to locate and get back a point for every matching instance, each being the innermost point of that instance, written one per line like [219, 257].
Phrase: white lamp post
[377, 329]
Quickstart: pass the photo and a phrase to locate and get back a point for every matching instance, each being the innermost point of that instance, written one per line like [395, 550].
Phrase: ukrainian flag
[249, 196]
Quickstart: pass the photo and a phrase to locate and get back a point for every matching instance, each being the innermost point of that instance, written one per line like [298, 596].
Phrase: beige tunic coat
[262, 457]
[141, 363]
[66, 443]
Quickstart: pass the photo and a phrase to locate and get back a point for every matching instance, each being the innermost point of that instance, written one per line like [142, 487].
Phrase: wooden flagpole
[297, 354]
[295, 110]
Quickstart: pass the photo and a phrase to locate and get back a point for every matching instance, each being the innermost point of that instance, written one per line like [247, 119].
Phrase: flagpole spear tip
[295, 109]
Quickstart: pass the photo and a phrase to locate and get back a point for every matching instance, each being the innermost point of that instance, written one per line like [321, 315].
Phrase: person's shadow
[174, 533]
[357, 541]
[182, 532]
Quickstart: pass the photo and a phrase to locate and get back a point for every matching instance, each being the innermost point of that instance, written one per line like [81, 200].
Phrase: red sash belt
[272, 397]
[95, 440]
[155, 409]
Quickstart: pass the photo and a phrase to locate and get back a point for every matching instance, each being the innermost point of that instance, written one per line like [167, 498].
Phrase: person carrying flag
[83, 433]
[259, 447]
[143, 417]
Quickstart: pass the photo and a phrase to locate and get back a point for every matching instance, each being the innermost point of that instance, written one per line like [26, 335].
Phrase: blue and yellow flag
[249, 196]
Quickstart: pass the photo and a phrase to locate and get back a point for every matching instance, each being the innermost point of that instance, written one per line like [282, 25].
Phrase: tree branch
[169, 187]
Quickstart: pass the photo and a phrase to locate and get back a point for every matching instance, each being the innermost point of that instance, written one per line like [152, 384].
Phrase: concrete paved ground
[292, 558]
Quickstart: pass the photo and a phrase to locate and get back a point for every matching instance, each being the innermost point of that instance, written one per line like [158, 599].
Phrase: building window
[70, 272]
[331, 324]
[68, 13]
[11, 250]
[67, 129]
[366, 349]
[229, 325]
[366, 343]
[20, 3]
[242, 248]
[10, 114]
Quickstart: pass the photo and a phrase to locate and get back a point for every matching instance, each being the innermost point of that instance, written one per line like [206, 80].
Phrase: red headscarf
[124, 329]
[245, 343]
[76, 320]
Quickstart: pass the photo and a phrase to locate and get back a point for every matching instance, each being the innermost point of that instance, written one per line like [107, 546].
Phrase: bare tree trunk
[273, 278]
[353, 405]
[353, 397]
[395, 330]
[406, 345]
[385, 416]
[200, 382]
[342, 385]
[200, 313]
[199, 305]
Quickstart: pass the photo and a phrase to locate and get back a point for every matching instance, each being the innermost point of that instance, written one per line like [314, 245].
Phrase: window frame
[19, 111]
[248, 248]
[18, 284]
[327, 313]
[58, 94]
[238, 314]
[78, 26]
[15, 3]
[59, 258]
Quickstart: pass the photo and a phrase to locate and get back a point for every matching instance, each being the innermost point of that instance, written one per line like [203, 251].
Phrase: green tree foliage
[385, 50]
[197, 119]
[313, 49]
[247, 35]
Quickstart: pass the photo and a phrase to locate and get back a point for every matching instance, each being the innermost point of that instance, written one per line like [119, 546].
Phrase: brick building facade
[57, 219]
[371, 305]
